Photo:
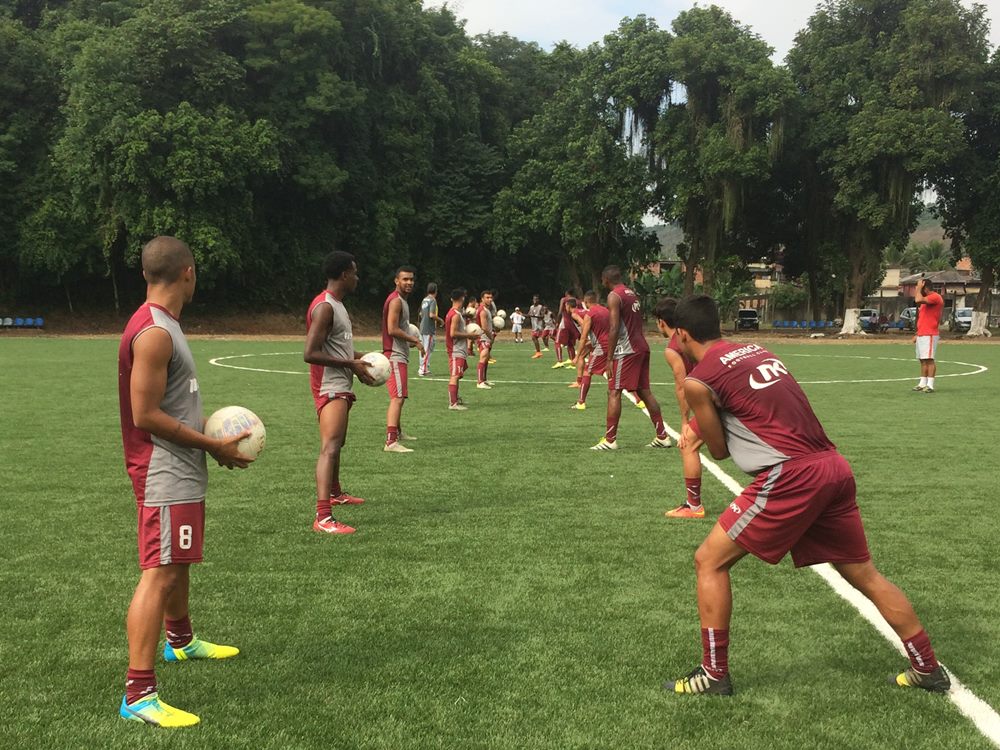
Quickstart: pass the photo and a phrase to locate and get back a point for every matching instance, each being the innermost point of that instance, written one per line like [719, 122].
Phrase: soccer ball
[502, 314]
[379, 369]
[231, 421]
[474, 329]
[470, 310]
[498, 323]
[413, 331]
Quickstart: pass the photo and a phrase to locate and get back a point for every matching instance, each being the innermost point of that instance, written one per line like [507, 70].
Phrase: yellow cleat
[199, 649]
[151, 710]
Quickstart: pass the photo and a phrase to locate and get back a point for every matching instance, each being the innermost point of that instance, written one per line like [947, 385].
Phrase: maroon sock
[486, 367]
[693, 490]
[452, 394]
[391, 435]
[481, 372]
[559, 353]
[918, 648]
[179, 632]
[584, 388]
[323, 508]
[138, 684]
[715, 650]
[335, 491]
[612, 433]
[657, 419]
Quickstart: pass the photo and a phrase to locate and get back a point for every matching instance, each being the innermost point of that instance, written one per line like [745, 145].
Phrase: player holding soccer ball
[746, 405]
[333, 363]
[457, 342]
[396, 343]
[484, 319]
[162, 431]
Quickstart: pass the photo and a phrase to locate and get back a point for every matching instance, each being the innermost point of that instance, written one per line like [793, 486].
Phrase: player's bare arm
[615, 319]
[676, 363]
[322, 322]
[392, 325]
[699, 398]
[151, 352]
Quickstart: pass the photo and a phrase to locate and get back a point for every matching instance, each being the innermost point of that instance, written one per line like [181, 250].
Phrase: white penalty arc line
[977, 370]
[974, 708]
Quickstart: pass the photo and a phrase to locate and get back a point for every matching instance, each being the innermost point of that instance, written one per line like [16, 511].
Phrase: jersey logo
[193, 385]
[770, 372]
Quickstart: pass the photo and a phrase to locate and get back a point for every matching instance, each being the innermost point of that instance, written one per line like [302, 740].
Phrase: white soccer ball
[473, 329]
[413, 331]
[379, 369]
[231, 421]
[502, 314]
[498, 323]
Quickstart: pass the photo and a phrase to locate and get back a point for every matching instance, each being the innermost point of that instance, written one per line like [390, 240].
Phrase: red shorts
[485, 344]
[536, 334]
[457, 366]
[630, 373]
[598, 364]
[567, 336]
[322, 401]
[548, 333]
[171, 534]
[805, 506]
[398, 383]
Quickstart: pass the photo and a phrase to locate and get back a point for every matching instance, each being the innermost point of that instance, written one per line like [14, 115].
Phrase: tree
[882, 84]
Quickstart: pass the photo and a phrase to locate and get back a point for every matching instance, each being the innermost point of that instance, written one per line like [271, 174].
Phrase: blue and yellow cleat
[151, 710]
[198, 649]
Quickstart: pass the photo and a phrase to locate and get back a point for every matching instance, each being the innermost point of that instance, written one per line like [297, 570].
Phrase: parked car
[868, 320]
[960, 319]
[909, 318]
[747, 320]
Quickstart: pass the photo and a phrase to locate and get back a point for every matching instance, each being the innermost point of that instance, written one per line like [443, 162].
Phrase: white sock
[923, 382]
[930, 382]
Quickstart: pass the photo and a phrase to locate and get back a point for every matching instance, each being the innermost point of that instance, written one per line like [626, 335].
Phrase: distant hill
[929, 229]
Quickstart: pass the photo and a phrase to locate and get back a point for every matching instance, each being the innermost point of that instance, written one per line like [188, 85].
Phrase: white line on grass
[977, 370]
[978, 711]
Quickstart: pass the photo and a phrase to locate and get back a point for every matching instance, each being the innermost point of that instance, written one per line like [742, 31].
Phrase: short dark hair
[164, 259]
[487, 291]
[590, 296]
[432, 288]
[337, 264]
[457, 294]
[699, 316]
[571, 302]
[612, 273]
[405, 269]
[665, 311]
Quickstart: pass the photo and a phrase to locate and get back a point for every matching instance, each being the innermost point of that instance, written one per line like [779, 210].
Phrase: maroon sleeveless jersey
[673, 346]
[600, 326]
[631, 339]
[766, 416]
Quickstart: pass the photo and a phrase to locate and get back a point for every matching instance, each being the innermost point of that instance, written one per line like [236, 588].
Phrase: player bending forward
[746, 405]
[681, 366]
[333, 363]
[162, 431]
[457, 341]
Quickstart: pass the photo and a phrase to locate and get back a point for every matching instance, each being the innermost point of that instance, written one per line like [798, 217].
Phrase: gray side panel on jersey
[746, 449]
[177, 473]
[401, 347]
[339, 344]
[759, 503]
[428, 308]
[460, 347]
[166, 538]
[624, 346]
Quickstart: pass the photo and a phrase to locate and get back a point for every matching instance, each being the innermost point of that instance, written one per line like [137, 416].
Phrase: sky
[581, 22]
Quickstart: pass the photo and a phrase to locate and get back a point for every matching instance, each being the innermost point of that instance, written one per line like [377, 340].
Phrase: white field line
[977, 370]
[978, 711]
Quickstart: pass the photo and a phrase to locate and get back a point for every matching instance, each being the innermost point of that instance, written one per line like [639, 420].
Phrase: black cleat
[699, 682]
[933, 682]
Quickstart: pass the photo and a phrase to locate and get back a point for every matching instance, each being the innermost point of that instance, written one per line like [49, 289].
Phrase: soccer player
[567, 333]
[429, 321]
[576, 311]
[333, 363]
[594, 335]
[165, 445]
[930, 305]
[746, 405]
[548, 327]
[396, 341]
[457, 342]
[535, 312]
[681, 365]
[516, 325]
[484, 319]
[628, 365]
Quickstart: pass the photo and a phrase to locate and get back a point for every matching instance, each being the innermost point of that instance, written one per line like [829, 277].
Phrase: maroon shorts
[457, 366]
[485, 344]
[567, 336]
[630, 373]
[805, 506]
[536, 334]
[322, 401]
[398, 383]
[171, 534]
[598, 364]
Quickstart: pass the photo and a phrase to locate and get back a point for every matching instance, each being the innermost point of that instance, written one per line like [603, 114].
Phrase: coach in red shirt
[930, 305]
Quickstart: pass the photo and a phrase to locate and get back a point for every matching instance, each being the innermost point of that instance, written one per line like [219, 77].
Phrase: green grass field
[507, 587]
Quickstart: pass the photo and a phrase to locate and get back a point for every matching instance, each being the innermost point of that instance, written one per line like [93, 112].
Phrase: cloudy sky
[584, 21]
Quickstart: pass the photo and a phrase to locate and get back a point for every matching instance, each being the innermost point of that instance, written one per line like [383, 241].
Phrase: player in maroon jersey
[458, 343]
[628, 361]
[747, 406]
[568, 334]
[396, 343]
[681, 366]
[484, 319]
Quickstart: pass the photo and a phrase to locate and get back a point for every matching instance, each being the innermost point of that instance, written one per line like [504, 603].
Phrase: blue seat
[19, 322]
[779, 324]
[29, 322]
[795, 324]
[39, 322]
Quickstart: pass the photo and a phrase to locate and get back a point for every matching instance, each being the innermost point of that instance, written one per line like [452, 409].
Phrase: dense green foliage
[266, 132]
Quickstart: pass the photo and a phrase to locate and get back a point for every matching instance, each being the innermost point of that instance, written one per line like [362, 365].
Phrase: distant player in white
[516, 325]
[535, 312]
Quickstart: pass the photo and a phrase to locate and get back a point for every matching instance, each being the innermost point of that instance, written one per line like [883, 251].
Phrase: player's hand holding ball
[362, 368]
[239, 436]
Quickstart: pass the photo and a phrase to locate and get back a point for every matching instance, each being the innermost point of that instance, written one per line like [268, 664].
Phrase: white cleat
[605, 445]
[660, 443]
[405, 436]
[397, 447]
[484, 386]
[458, 407]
